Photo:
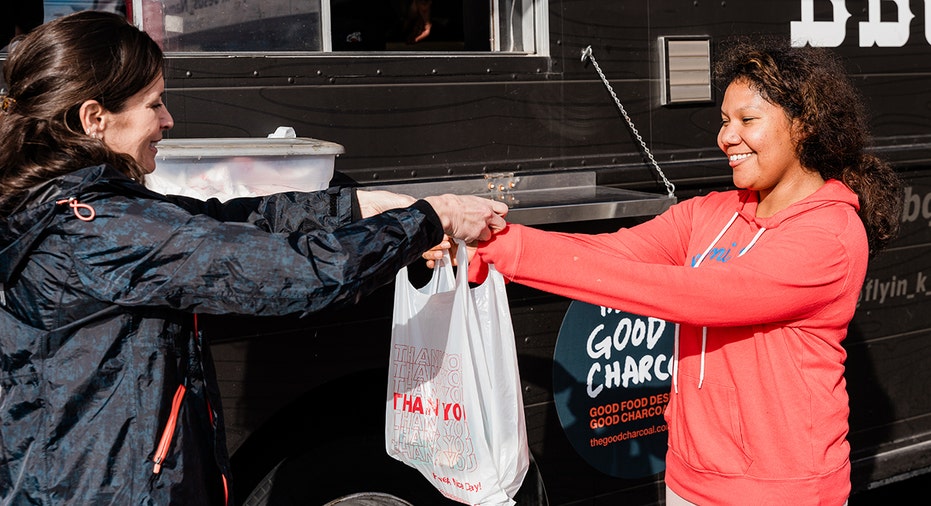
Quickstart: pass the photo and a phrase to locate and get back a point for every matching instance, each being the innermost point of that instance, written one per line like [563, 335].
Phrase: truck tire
[324, 479]
[369, 499]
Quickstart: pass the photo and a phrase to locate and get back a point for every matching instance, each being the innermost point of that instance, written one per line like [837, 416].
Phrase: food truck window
[209, 26]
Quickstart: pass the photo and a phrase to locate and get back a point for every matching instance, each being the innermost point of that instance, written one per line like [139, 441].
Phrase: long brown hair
[811, 86]
[52, 71]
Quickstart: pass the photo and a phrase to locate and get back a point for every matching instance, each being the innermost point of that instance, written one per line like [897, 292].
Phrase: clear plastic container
[242, 167]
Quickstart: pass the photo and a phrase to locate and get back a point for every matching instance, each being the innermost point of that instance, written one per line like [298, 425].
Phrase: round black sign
[611, 377]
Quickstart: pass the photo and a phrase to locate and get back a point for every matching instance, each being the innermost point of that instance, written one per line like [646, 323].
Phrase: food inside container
[226, 168]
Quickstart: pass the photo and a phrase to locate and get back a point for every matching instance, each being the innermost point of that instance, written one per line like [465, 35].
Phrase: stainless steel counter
[547, 198]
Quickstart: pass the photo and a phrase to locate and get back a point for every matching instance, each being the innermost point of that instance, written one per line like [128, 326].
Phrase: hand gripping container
[226, 168]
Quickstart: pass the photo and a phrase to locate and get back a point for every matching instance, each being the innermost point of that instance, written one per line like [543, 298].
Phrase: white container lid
[242, 167]
[246, 146]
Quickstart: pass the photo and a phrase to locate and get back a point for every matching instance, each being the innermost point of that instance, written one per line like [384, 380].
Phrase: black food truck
[582, 115]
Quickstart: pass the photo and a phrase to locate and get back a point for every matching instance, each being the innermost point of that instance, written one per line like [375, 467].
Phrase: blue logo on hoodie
[719, 254]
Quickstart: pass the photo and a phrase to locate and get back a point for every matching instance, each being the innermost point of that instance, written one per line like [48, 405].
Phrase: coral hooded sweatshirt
[758, 409]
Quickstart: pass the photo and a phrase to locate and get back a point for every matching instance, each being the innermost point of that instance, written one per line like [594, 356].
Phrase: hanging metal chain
[587, 55]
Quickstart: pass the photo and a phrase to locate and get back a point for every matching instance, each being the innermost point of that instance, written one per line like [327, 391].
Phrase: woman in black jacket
[108, 393]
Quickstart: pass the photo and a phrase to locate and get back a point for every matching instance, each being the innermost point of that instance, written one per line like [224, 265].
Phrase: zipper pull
[169, 431]
[79, 209]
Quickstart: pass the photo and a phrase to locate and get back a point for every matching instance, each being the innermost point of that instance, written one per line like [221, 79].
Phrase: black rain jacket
[107, 394]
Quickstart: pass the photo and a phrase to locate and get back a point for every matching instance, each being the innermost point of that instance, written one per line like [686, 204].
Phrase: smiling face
[139, 126]
[758, 139]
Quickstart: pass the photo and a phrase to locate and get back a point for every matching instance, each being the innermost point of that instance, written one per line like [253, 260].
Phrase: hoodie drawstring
[696, 263]
[704, 330]
[675, 361]
[752, 242]
[704, 343]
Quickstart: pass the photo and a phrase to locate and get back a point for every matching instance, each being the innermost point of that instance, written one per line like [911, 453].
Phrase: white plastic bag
[454, 405]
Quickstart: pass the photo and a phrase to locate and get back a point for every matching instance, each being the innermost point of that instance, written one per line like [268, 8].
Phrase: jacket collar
[25, 226]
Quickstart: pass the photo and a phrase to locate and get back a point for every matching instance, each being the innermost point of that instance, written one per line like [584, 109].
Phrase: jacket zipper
[226, 487]
[169, 431]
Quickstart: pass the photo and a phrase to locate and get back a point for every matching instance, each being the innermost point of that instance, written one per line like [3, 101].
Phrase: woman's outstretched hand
[468, 217]
[465, 217]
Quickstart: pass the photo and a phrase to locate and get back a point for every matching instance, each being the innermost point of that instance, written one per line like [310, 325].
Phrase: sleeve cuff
[354, 205]
[432, 220]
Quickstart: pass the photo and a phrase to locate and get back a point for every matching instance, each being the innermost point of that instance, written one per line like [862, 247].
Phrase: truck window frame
[533, 31]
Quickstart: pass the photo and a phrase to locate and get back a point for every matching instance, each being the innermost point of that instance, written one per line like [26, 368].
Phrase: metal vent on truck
[685, 70]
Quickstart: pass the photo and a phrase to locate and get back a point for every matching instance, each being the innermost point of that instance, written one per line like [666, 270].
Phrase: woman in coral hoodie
[762, 281]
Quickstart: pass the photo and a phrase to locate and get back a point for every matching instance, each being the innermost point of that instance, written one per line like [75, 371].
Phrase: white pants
[673, 499]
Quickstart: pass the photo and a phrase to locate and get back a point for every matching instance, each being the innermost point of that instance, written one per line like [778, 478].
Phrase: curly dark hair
[52, 71]
[811, 85]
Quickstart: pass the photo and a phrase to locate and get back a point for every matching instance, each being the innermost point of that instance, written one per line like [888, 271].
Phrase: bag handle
[443, 278]
[462, 263]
